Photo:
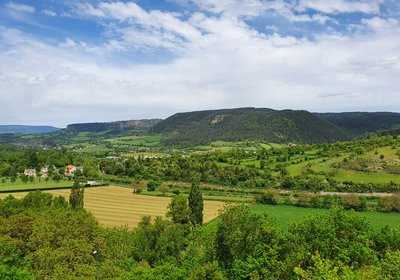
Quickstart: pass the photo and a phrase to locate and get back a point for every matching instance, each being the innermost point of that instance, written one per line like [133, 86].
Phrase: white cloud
[68, 43]
[317, 18]
[341, 6]
[157, 29]
[377, 23]
[49, 13]
[219, 61]
[21, 7]
[235, 8]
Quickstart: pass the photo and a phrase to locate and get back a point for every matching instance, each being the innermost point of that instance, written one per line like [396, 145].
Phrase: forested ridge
[240, 124]
[269, 125]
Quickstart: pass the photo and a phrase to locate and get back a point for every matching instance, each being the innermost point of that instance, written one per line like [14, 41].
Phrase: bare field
[118, 206]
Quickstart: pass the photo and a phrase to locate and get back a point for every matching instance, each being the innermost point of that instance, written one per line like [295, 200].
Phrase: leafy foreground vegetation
[41, 237]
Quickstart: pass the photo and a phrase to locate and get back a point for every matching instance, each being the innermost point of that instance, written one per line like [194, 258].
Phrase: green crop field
[285, 215]
[146, 141]
[93, 149]
[20, 186]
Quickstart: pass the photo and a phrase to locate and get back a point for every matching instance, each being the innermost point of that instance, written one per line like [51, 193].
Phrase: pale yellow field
[117, 206]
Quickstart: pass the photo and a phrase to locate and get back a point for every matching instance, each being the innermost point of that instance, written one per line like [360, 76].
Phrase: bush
[316, 201]
[176, 192]
[288, 201]
[396, 202]
[152, 185]
[329, 200]
[304, 199]
[385, 204]
[389, 203]
[350, 201]
[270, 197]
[163, 189]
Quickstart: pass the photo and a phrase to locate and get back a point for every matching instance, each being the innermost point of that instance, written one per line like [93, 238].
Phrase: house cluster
[70, 169]
[44, 171]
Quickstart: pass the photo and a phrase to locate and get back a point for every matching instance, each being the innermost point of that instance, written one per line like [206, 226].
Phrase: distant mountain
[358, 123]
[112, 126]
[248, 124]
[27, 129]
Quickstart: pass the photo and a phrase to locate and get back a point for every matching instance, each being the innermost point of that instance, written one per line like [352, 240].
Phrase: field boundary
[45, 189]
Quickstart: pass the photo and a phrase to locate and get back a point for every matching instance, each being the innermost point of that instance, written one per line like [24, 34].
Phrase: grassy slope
[320, 165]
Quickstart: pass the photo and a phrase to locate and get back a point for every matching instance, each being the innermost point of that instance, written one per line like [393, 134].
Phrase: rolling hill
[27, 129]
[248, 124]
[359, 123]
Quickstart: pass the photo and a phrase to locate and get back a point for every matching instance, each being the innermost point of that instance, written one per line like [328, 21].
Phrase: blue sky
[78, 61]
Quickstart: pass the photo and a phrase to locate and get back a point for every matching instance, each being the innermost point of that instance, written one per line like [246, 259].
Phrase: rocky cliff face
[119, 125]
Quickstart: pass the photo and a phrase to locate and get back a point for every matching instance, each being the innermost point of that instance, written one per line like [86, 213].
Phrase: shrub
[350, 201]
[396, 202]
[304, 199]
[288, 201]
[152, 185]
[329, 200]
[176, 192]
[270, 197]
[385, 204]
[163, 189]
[316, 201]
[389, 203]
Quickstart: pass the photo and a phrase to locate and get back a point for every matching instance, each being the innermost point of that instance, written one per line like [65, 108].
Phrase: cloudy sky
[79, 61]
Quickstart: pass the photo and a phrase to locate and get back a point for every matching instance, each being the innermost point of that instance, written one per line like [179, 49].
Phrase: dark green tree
[178, 210]
[76, 196]
[152, 185]
[196, 204]
[159, 242]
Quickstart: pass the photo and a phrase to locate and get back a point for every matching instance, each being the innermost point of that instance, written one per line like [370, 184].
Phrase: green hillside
[248, 124]
[27, 129]
[358, 123]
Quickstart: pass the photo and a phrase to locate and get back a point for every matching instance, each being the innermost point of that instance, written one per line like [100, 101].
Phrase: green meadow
[285, 215]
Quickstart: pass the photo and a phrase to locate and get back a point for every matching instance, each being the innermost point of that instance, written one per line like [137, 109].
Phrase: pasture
[32, 186]
[118, 206]
[136, 141]
[285, 215]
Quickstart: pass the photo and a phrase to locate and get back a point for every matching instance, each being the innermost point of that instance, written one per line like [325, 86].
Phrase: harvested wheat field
[118, 206]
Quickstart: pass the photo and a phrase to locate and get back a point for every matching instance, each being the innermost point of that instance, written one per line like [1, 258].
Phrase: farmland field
[31, 186]
[117, 206]
[285, 215]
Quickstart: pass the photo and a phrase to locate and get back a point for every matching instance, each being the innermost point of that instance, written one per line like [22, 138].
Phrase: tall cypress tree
[76, 196]
[196, 204]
